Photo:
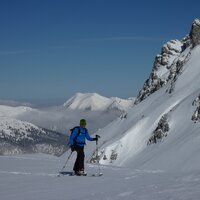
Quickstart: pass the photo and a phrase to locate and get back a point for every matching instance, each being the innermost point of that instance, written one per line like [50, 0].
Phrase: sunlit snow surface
[32, 177]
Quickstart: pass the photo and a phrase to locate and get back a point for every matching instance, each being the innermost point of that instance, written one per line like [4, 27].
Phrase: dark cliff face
[195, 33]
[168, 64]
[163, 69]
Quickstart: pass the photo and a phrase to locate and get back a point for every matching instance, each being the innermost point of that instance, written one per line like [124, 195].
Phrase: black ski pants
[79, 163]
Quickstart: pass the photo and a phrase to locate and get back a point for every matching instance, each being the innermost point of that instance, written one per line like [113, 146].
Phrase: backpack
[79, 131]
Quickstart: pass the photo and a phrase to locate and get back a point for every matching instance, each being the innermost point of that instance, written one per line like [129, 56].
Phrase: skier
[77, 142]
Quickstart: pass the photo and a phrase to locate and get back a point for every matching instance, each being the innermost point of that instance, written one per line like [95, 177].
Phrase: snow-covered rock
[195, 33]
[167, 65]
[196, 115]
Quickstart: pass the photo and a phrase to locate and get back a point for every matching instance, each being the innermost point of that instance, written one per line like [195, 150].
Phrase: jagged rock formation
[168, 64]
[95, 158]
[195, 33]
[160, 131]
[196, 115]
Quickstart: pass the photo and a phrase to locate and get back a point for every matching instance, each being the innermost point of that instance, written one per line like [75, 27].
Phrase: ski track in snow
[27, 173]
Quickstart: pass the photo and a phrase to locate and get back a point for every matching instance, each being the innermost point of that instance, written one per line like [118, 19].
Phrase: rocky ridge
[168, 65]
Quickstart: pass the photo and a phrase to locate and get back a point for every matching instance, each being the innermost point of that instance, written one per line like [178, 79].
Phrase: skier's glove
[96, 138]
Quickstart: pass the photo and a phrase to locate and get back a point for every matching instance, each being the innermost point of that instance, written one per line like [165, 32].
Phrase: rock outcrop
[168, 65]
[195, 33]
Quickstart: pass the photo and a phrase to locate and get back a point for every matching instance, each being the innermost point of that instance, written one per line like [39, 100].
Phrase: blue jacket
[80, 140]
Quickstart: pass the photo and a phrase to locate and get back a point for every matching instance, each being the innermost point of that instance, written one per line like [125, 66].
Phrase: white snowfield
[32, 177]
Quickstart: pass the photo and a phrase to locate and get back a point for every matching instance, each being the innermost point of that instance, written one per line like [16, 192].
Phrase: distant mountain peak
[195, 33]
[96, 102]
[87, 101]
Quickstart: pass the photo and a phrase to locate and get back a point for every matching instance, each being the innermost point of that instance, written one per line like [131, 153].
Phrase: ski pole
[66, 161]
[97, 153]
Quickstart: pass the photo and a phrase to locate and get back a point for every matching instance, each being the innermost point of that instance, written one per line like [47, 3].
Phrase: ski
[96, 175]
[66, 173]
[70, 173]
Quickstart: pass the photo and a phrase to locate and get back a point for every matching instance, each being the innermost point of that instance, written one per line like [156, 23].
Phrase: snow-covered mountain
[162, 130]
[96, 102]
[99, 111]
[18, 137]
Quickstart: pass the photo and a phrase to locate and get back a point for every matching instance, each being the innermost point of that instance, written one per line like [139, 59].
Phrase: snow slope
[178, 148]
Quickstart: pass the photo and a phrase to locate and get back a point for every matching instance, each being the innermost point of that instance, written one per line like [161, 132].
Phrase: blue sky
[51, 49]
